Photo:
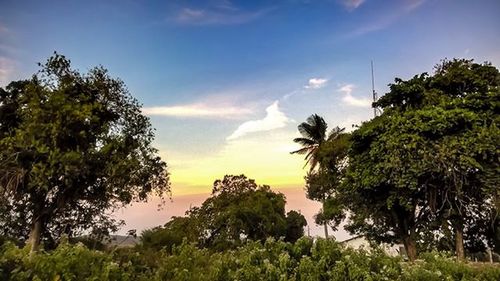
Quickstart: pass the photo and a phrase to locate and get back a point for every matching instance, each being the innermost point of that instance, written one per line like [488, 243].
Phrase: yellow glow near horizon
[264, 157]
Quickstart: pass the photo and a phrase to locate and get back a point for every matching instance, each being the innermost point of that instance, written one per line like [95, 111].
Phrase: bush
[272, 260]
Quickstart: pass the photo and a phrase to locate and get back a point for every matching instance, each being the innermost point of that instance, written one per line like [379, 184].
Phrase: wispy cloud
[225, 5]
[223, 14]
[349, 99]
[198, 110]
[411, 5]
[7, 68]
[316, 83]
[274, 119]
[189, 15]
[312, 84]
[3, 28]
[292, 93]
[396, 13]
[352, 4]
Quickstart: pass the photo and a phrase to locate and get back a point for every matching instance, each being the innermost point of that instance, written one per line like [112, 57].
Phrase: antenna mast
[375, 109]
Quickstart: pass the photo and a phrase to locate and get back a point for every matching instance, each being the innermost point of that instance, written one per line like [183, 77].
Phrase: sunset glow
[225, 83]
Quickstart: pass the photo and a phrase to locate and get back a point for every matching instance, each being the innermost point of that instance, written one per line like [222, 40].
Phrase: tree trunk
[459, 243]
[35, 234]
[325, 224]
[411, 248]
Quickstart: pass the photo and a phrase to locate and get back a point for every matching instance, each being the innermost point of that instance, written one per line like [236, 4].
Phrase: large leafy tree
[238, 210]
[385, 201]
[431, 156]
[73, 147]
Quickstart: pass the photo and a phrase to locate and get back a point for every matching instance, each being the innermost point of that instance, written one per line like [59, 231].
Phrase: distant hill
[121, 241]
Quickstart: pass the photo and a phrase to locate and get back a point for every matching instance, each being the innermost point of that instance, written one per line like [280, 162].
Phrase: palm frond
[303, 150]
[313, 163]
[306, 130]
[314, 133]
[304, 141]
[314, 128]
[309, 155]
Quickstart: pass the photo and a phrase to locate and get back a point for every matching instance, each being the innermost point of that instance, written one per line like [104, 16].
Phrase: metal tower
[376, 110]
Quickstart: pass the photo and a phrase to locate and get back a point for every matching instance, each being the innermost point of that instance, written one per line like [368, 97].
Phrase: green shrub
[305, 260]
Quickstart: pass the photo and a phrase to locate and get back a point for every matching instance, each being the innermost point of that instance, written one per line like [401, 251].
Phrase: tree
[333, 160]
[237, 211]
[385, 203]
[74, 147]
[431, 156]
[172, 233]
[314, 135]
[295, 223]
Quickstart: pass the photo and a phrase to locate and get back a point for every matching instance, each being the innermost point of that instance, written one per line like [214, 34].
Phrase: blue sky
[227, 82]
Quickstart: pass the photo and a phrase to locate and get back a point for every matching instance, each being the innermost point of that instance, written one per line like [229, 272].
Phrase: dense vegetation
[271, 260]
[73, 147]
[237, 211]
[424, 173]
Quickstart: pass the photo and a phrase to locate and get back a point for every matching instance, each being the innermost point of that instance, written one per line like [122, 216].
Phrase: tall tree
[431, 155]
[73, 147]
[325, 183]
[314, 135]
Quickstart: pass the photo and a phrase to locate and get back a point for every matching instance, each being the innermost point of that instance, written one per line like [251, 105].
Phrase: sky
[226, 83]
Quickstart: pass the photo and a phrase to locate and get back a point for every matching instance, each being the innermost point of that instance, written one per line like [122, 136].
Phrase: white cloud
[349, 99]
[198, 110]
[352, 4]
[347, 89]
[274, 119]
[316, 83]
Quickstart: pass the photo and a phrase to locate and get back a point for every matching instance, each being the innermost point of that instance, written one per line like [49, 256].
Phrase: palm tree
[313, 133]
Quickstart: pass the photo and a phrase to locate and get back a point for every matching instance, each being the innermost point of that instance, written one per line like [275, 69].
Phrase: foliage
[270, 260]
[313, 133]
[321, 183]
[324, 184]
[295, 223]
[429, 163]
[72, 148]
[174, 232]
[238, 210]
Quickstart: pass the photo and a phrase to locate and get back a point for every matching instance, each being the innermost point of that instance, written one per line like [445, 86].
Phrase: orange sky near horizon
[263, 157]
[141, 216]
